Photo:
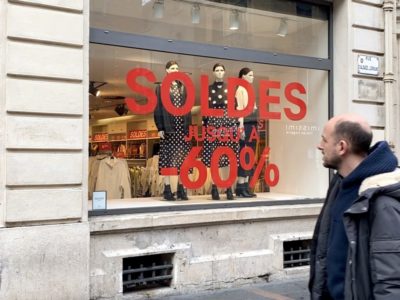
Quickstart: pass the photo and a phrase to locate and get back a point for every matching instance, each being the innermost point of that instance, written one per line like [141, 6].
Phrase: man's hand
[161, 134]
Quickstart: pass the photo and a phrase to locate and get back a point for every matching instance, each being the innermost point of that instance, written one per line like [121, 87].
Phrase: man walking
[355, 252]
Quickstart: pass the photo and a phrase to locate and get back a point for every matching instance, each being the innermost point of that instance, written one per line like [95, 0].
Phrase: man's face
[329, 148]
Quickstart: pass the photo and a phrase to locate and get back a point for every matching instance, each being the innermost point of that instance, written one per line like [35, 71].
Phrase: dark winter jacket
[360, 224]
[163, 119]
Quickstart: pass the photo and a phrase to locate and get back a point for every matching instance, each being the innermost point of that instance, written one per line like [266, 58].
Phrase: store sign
[368, 65]
[137, 134]
[270, 107]
[100, 137]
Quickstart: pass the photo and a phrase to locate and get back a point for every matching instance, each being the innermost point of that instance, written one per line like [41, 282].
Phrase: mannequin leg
[214, 189]
[181, 191]
[167, 189]
[241, 190]
[224, 171]
[247, 188]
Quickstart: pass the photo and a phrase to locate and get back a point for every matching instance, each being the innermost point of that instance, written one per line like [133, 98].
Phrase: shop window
[288, 104]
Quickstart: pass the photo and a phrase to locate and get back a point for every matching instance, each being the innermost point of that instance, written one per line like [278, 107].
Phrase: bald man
[355, 252]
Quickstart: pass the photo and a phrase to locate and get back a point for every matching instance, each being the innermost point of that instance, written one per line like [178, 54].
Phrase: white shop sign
[99, 200]
[368, 65]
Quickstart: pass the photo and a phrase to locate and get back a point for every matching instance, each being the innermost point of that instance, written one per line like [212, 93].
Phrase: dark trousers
[248, 128]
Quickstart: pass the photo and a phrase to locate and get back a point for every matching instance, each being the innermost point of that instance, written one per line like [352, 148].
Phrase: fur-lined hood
[385, 184]
[381, 180]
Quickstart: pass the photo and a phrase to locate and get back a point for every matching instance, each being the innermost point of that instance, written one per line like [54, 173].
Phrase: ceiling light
[283, 28]
[158, 9]
[196, 14]
[234, 20]
[93, 90]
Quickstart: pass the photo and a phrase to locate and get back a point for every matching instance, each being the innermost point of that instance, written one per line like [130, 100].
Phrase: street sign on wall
[368, 65]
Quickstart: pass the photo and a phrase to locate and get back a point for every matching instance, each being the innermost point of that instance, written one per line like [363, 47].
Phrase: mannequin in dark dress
[217, 99]
[172, 131]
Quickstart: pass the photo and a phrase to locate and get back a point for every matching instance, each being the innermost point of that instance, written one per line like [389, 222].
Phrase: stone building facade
[51, 249]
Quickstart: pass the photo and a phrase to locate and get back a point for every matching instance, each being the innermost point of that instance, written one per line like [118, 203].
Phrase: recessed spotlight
[196, 14]
[234, 20]
[283, 28]
[158, 9]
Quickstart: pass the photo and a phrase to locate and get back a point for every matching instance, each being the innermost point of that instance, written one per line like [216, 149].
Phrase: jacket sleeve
[385, 248]
[158, 112]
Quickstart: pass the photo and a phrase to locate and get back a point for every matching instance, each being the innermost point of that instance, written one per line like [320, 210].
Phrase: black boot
[247, 189]
[241, 191]
[214, 192]
[181, 193]
[229, 194]
[168, 193]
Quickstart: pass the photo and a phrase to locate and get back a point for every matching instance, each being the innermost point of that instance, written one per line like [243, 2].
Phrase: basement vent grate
[296, 253]
[147, 272]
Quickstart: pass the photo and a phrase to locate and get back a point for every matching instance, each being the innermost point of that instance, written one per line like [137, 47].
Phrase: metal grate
[296, 253]
[147, 272]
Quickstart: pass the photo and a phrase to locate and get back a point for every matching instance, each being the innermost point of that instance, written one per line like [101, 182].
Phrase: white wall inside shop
[294, 143]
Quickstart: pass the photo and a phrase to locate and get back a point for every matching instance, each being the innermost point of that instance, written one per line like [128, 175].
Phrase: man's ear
[343, 147]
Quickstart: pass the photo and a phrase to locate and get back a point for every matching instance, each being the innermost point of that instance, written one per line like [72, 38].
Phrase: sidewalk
[287, 289]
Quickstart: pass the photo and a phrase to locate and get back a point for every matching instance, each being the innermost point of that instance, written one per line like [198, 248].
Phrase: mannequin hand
[161, 134]
[242, 134]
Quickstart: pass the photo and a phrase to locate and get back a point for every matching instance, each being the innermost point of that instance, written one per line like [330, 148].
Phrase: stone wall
[216, 248]
[44, 231]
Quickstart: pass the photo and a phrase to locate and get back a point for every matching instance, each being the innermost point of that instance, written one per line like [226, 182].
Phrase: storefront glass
[290, 103]
[290, 27]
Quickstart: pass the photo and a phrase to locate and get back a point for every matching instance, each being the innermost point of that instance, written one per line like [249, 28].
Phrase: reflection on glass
[249, 24]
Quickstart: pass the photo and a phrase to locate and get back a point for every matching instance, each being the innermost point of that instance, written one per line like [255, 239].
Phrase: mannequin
[217, 98]
[172, 131]
[246, 125]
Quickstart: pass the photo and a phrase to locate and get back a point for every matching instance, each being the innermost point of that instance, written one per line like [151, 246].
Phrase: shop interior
[117, 133]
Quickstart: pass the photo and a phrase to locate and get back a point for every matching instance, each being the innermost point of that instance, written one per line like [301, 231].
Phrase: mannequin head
[247, 74]
[171, 66]
[219, 71]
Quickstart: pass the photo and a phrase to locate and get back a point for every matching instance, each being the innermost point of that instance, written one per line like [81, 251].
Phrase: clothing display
[173, 147]
[112, 175]
[136, 174]
[225, 127]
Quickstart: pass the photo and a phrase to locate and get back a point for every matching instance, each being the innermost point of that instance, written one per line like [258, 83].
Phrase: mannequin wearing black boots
[215, 193]
[220, 125]
[246, 126]
[172, 131]
[180, 193]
